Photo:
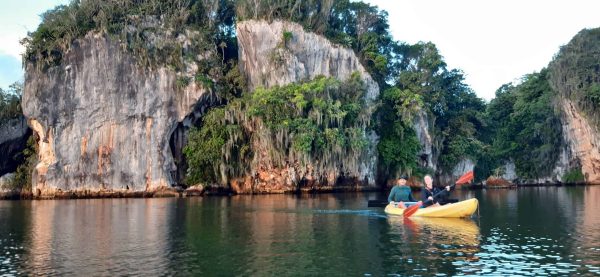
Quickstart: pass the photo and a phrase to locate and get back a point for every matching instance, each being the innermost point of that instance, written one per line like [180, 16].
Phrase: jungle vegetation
[325, 117]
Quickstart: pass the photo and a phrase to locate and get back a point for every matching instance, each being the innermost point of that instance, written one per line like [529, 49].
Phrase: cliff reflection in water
[87, 237]
[531, 230]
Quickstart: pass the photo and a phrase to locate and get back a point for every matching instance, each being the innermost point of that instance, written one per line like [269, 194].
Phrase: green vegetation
[323, 119]
[10, 102]
[412, 78]
[203, 151]
[398, 144]
[573, 176]
[454, 109]
[287, 36]
[157, 33]
[524, 126]
[22, 178]
[183, 81]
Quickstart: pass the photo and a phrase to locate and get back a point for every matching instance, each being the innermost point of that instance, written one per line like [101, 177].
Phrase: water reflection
[88, 237]
[525, 231]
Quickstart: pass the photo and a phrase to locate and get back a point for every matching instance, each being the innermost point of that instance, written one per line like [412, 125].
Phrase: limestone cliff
[583, 140]
[104, 122]
[421, 126]
[576, 79]
[268, 59]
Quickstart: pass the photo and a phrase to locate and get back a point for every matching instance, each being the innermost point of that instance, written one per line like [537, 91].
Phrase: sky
[17, 17]
[492, 42]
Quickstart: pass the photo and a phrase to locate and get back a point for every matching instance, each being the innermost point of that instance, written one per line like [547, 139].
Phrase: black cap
[403, 177]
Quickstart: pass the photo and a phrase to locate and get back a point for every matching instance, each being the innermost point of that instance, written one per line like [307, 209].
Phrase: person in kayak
[429, 191]
[400, 193]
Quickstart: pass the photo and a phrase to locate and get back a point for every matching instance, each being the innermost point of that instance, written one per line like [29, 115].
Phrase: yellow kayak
[464, 208]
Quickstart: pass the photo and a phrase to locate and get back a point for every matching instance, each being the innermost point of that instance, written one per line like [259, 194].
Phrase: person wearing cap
[400, 193]
[429, 192]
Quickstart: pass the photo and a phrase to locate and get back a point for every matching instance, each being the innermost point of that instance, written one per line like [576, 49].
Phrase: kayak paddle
[467, 177]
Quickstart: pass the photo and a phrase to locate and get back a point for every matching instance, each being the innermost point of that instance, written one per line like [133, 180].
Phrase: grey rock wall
[104, 122]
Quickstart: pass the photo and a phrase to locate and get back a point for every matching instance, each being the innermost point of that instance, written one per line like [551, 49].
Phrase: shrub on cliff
[323, 119]
[573, 176]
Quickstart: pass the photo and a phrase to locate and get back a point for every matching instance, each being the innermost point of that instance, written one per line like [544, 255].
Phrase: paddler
[429, 191]
[400, 193]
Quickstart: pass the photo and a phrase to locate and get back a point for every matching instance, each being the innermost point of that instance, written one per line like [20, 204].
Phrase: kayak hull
[464, 208]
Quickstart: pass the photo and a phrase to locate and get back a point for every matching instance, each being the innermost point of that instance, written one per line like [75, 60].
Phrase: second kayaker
[429, 191]
[400, 193]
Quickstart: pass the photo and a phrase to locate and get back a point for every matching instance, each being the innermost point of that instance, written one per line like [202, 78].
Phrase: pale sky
[17, 17]
[493, 42]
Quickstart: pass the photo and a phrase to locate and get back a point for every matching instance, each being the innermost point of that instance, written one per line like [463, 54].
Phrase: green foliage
[573, 176]
[202, 79]
[319, 115]
[405, 103]
[287, 36]
[182, 81]
[174, 34]
[455, 110]
[203, 151]
[10, 102]
[524, 126]
[322, 119]
[22, 178]
[398, 149]
[398, 145]
[233, 83]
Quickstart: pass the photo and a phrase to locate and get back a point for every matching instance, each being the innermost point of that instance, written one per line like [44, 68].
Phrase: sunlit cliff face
[104, 122]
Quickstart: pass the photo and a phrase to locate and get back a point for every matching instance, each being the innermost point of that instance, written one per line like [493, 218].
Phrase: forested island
[138, 98]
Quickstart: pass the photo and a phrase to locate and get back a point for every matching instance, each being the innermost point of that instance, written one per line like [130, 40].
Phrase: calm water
[526, 231]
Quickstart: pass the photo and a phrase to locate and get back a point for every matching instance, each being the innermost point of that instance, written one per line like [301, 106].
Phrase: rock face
[268, 60]
[510, 173]
[421, 126]
[583, 141]
[104, 123]
[13, 139]
[463, 166]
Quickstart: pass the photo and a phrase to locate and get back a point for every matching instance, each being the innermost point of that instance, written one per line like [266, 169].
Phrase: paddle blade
[412, 210]
[466, 178]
